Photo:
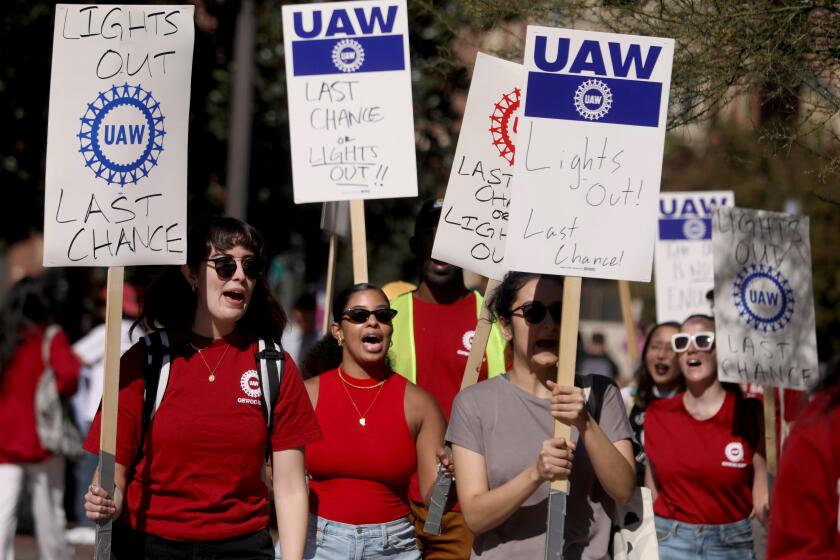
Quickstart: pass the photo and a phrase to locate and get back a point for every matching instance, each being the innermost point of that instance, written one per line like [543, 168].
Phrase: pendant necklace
[212, 377]
[362, 417]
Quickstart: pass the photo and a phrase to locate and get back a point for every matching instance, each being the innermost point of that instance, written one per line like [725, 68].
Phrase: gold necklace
[362, 417]
[212, 377]
[341, 376]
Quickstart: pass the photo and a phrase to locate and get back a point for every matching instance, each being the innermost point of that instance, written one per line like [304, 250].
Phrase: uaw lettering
[688, 219]
[121, 134]
[347, 41]
[596, 81]
[763, 298]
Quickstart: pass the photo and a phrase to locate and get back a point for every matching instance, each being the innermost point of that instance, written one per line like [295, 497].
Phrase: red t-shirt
[360, 474]
[200, 476]
[804, 513]
[18, 437]
[703, 468]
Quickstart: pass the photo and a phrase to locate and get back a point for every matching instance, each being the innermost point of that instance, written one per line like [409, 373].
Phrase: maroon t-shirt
[703, 468]
[200, 476]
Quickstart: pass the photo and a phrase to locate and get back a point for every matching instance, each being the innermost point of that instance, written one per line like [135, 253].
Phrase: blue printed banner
[685, 229]
[317, 57]
[588, 99]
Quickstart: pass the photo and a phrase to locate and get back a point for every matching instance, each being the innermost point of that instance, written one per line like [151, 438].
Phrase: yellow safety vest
[402, 352]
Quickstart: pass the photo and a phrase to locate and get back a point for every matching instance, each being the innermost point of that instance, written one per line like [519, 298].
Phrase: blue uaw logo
[694, 228]
[593, 99]
[348, 55]
[121, 135]
[763, 298]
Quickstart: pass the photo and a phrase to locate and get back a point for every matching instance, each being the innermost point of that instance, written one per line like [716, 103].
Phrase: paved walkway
[27, 549]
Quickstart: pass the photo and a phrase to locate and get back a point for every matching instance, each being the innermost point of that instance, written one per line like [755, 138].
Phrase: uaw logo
[734, 454]
[687, 219]
[342, 41]
[121, 134]
[503, 124]
[763, 298]
[466, 342]
[594, 81]
[250, 383]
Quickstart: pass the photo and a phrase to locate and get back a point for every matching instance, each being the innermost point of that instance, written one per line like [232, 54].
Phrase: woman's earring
[340, 341]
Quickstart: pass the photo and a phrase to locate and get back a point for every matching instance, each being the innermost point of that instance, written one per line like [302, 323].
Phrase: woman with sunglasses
[502, 429]
[658, 377]
[705, 451]
[190, 483]
[378, 430]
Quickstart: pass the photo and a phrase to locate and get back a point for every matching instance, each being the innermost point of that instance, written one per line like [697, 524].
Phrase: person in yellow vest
[433, 332]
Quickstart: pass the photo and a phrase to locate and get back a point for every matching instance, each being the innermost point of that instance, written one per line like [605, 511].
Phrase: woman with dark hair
[658, 377]
[502, 435]
[378, 430]
[806, 494]
[190, 483]
[24, 347]
[705, 450]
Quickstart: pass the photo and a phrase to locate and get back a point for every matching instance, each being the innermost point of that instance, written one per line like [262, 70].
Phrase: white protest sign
[116, 180]
[591, 136]
[349, 89]
[473, 221]
[764, 300]
[683, 262]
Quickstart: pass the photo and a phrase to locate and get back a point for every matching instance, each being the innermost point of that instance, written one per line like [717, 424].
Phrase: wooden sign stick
[443, 482]
[328, 296]
[629, 323]
[359, 240]
[565, 376]
[770, 430]
[110, 401]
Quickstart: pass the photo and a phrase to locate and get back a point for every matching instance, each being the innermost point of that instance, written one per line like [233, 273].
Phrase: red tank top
[360, 473]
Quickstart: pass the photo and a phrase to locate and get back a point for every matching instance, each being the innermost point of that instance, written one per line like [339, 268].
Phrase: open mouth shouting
[662, 369]
[234, 297]
[372, 342]
[547, 343]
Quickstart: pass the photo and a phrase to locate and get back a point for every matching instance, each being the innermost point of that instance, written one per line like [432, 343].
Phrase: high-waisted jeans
[685, 541]
[330, 540]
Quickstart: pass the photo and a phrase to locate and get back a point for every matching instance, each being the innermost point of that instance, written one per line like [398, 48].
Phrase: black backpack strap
[595, 386]
[271, 362]
[155, 375]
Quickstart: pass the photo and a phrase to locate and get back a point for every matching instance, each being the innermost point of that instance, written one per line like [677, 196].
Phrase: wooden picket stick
[629, 323]
[770, 429]
[328, 297]
[359, 240]
[568, 356]
[110, 401]
[481, 337]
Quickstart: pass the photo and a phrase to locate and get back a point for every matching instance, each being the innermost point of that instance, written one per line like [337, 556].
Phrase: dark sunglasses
[703, 341]
[534, 312]
[360, 315]
[225, 266]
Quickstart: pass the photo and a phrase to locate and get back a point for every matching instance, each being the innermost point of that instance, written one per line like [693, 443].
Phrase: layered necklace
[345, 383]
[212, 377]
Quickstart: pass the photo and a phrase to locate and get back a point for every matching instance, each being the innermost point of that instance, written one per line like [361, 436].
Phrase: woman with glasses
[378, 430]
[705, 452]
[502, 435]
[190, 483]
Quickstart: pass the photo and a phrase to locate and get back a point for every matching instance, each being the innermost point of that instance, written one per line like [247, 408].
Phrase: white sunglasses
[703, 341]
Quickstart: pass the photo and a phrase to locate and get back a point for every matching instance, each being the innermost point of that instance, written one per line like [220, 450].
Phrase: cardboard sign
[116, 181]
[683, 262]
[349, 90]
[764, 300]
[589, 161]
[473, 222]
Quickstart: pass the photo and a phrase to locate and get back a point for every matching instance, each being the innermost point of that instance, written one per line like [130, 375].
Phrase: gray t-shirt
[507, 425]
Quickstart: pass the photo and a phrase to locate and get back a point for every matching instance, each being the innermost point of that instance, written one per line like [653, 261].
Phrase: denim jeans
[330, 540]
[684, 541]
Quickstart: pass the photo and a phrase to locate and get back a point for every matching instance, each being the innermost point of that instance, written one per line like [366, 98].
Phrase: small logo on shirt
[466, 341]
[250, 383]
[734, 453]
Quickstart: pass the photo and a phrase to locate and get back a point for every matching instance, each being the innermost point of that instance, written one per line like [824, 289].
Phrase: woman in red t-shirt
[378, 430]
[191, 482]
[705, 452]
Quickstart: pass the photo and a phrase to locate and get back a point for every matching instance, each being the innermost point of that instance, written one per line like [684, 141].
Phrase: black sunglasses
[225, 266]
[534, 312]
[360, 315]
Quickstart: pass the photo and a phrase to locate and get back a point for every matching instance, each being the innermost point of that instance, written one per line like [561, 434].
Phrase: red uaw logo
[734, 453]
[467, 342]
[504, 121]
[250, 383]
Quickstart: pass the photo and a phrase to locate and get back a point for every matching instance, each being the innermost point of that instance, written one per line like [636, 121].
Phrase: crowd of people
[220, 435]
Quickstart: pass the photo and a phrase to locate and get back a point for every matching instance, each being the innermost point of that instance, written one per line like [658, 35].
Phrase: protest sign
[116, 179]
[349, 90]
[473, 221]
[589, 163]
[683, 263]
[764, 301]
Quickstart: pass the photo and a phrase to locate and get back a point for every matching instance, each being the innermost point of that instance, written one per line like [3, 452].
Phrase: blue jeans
[684, 541]
[330, 540]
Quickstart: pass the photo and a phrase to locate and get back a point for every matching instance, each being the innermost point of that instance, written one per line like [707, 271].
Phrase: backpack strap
[271, 361]
[49, 334]
[594, 387]
[155, 374]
